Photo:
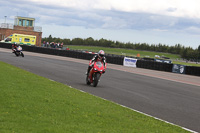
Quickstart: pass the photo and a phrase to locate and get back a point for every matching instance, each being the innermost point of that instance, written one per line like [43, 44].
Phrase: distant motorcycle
[18, 51]
[95, 73]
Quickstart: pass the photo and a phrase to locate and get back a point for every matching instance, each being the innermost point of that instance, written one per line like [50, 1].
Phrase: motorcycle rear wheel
[16, 53]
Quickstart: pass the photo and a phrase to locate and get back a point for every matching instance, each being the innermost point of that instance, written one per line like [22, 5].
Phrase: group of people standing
[52, 45]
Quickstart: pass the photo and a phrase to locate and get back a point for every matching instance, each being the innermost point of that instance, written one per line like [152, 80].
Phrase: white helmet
[101, 53]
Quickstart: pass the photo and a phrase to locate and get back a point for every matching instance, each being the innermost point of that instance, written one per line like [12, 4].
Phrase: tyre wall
[114, 59]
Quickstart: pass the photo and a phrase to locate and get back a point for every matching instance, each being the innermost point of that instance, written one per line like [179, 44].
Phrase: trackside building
[22, 25]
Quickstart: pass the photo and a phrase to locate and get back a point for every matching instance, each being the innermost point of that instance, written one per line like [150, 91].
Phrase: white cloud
[177, 8]
[193, 30]
[116, 23]
[153, 21]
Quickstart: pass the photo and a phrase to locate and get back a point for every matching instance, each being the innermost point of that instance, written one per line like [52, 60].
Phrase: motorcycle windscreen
[19, 48]
[99, 65]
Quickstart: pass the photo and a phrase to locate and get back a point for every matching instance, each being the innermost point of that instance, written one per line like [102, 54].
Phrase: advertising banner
[178, 69]
[130, 62]
[163, 61]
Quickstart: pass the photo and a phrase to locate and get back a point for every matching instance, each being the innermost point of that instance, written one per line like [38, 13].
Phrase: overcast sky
[167, 22]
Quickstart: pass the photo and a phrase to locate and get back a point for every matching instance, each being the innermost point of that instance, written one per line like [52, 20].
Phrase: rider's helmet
[101, 54]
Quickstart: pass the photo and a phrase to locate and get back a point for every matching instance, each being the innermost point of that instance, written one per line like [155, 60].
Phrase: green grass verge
[127, 52]
[133, 53]
[187, 64]
[30, 103]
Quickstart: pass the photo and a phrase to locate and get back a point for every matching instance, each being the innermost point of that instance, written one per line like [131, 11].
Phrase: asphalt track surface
[174, 98]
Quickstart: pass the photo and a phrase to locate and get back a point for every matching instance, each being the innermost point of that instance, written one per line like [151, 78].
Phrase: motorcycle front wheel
[22, 54]
[96, 79]
[87, 81]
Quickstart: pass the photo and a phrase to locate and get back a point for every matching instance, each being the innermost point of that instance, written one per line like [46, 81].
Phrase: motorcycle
[95, 73]
[18, 51]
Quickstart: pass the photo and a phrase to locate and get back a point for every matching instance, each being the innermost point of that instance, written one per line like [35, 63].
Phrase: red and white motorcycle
[95, 72]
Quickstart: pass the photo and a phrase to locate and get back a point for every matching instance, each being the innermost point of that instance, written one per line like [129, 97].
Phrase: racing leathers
[95, 58]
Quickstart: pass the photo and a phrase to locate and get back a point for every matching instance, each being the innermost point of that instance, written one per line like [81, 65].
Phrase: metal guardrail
[37, 28]
[7, 26]
[11, 26]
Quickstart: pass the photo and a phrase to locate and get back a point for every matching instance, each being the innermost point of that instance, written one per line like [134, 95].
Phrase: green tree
[198, 52]
[198, 48]
[185, 52]
[66, 41]
[89, 42]
[77, 41]
[50, 39]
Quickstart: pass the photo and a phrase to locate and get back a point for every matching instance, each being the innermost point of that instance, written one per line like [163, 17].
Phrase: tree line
[185, 52]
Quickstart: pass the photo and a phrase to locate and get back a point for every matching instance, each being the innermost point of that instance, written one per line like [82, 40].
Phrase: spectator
[55, 45]
[52, 44]
[47, 44]
[44, 44]
[61, 45]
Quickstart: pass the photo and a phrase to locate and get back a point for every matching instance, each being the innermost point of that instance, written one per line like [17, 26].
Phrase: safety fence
[114, 59]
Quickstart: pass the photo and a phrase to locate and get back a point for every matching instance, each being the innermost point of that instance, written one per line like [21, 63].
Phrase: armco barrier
[114, 59]
[5, 45]
[154, 65]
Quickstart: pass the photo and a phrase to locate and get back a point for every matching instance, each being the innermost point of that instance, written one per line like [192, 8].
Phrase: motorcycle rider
[14, 47]
[100, 56]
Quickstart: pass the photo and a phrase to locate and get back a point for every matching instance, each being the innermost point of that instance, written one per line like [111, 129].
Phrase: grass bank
[30, 103]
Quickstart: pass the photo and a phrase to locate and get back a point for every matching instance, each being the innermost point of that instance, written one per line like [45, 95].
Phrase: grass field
[127, 52]
[30, 103]
[133, 53]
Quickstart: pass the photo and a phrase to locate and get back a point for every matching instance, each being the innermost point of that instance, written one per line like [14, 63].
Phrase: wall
[114, 59]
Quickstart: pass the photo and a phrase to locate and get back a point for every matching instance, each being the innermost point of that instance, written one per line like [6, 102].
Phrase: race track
[168, 96]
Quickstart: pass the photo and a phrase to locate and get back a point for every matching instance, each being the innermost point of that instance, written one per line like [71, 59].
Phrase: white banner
[131, 62]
